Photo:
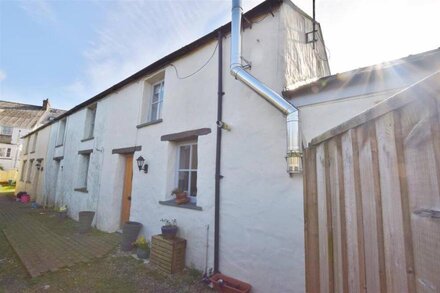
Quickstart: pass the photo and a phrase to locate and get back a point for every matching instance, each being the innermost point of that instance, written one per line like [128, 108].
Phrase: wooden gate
[372, 198]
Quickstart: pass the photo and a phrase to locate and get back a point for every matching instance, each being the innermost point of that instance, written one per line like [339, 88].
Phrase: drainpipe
[218, 175]
[238, 71]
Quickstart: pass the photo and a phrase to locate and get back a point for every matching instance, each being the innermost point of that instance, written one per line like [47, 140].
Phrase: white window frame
[159, 101]
[6, 156]
[190, 170]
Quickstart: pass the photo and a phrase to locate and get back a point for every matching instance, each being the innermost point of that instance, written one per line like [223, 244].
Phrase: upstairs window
[26, 144]
[157, 101]
[5, 152]
[23, 170]
[6, 130]
[187, 168]
[34, 142]
[61, 132]
[90, 122]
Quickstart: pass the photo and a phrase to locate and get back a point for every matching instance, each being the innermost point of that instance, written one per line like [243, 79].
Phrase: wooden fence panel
[324, 228]
[424, 191]
[372, 207]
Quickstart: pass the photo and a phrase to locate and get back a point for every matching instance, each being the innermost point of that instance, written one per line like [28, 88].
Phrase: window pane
[194, 157]
[156, 93]
[8, 153]
[2, 152]
[193, 191]
[153, 115]
[161, 91]
[159, 110]
[184, 157]
[183, 180]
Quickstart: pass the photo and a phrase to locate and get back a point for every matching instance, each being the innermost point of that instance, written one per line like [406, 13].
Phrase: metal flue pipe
[239, 72]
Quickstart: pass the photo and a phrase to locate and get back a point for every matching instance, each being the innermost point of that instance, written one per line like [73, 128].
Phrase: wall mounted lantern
[140, 163]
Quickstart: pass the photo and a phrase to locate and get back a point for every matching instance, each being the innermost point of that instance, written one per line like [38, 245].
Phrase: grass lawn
[116, 272]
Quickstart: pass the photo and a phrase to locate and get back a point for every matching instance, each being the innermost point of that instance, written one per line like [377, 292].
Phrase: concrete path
[45, 243]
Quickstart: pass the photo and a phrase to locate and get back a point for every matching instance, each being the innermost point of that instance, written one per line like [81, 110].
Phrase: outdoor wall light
[140, 163]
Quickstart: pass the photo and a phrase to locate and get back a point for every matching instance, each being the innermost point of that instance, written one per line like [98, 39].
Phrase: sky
[70, 50]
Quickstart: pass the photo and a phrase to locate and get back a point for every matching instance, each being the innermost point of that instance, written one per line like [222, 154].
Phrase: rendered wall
[35, 187]
[261, 229]
[334, 113]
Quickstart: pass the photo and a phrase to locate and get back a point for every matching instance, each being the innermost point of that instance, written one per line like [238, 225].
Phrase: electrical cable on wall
[198, 70]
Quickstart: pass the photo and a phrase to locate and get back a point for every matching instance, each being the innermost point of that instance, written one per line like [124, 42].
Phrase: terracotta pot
[181, 198]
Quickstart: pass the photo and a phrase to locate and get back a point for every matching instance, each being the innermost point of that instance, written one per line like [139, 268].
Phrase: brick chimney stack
[46, 104]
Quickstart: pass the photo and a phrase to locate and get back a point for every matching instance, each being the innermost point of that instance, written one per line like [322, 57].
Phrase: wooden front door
[126, 192]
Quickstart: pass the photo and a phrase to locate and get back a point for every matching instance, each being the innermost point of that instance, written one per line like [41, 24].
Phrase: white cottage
[200, 129]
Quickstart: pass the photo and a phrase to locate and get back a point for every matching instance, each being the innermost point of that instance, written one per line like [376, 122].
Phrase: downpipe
[293, 154]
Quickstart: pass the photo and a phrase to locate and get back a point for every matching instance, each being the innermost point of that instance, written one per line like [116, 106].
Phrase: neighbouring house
[167, 114]
[16, 120]
[337, 98]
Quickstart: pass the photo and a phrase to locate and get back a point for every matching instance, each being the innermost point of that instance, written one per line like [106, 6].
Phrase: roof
[24, 115]
[410, 66]
[263, 8]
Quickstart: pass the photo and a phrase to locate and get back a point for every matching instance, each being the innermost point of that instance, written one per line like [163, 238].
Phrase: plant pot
[130, 233]
[169, 232]
[181, 198]
[25, 198]
[85, 221]
[193, 199]
[62, 215]
[143, 253]
[227, 284]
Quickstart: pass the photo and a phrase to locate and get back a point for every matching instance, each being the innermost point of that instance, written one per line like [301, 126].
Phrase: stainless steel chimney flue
[238, 71]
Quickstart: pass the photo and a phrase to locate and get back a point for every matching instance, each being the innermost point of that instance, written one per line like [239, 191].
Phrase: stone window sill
[82, 189]
[149, 123]
[87, 139]
[172, 203]
[59, 145]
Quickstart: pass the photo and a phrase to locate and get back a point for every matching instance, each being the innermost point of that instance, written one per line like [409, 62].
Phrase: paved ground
[71, 261]
[39, 246]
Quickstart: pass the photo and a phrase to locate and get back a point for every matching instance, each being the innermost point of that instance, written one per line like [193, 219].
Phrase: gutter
[293, 154]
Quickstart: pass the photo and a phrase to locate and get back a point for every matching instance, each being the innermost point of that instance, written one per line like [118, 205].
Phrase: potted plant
[181, 196]
[142, 248]
[169, 228]
[62, 212]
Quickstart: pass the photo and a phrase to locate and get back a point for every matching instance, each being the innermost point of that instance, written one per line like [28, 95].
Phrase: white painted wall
[261, 229]
[36, 186]
[317, 118]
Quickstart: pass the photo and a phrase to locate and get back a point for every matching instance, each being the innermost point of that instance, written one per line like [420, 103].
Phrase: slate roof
[24, 115]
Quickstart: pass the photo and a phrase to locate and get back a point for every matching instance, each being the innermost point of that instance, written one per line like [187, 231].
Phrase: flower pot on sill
[193, 199]
[169, 232]
[181, 198]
